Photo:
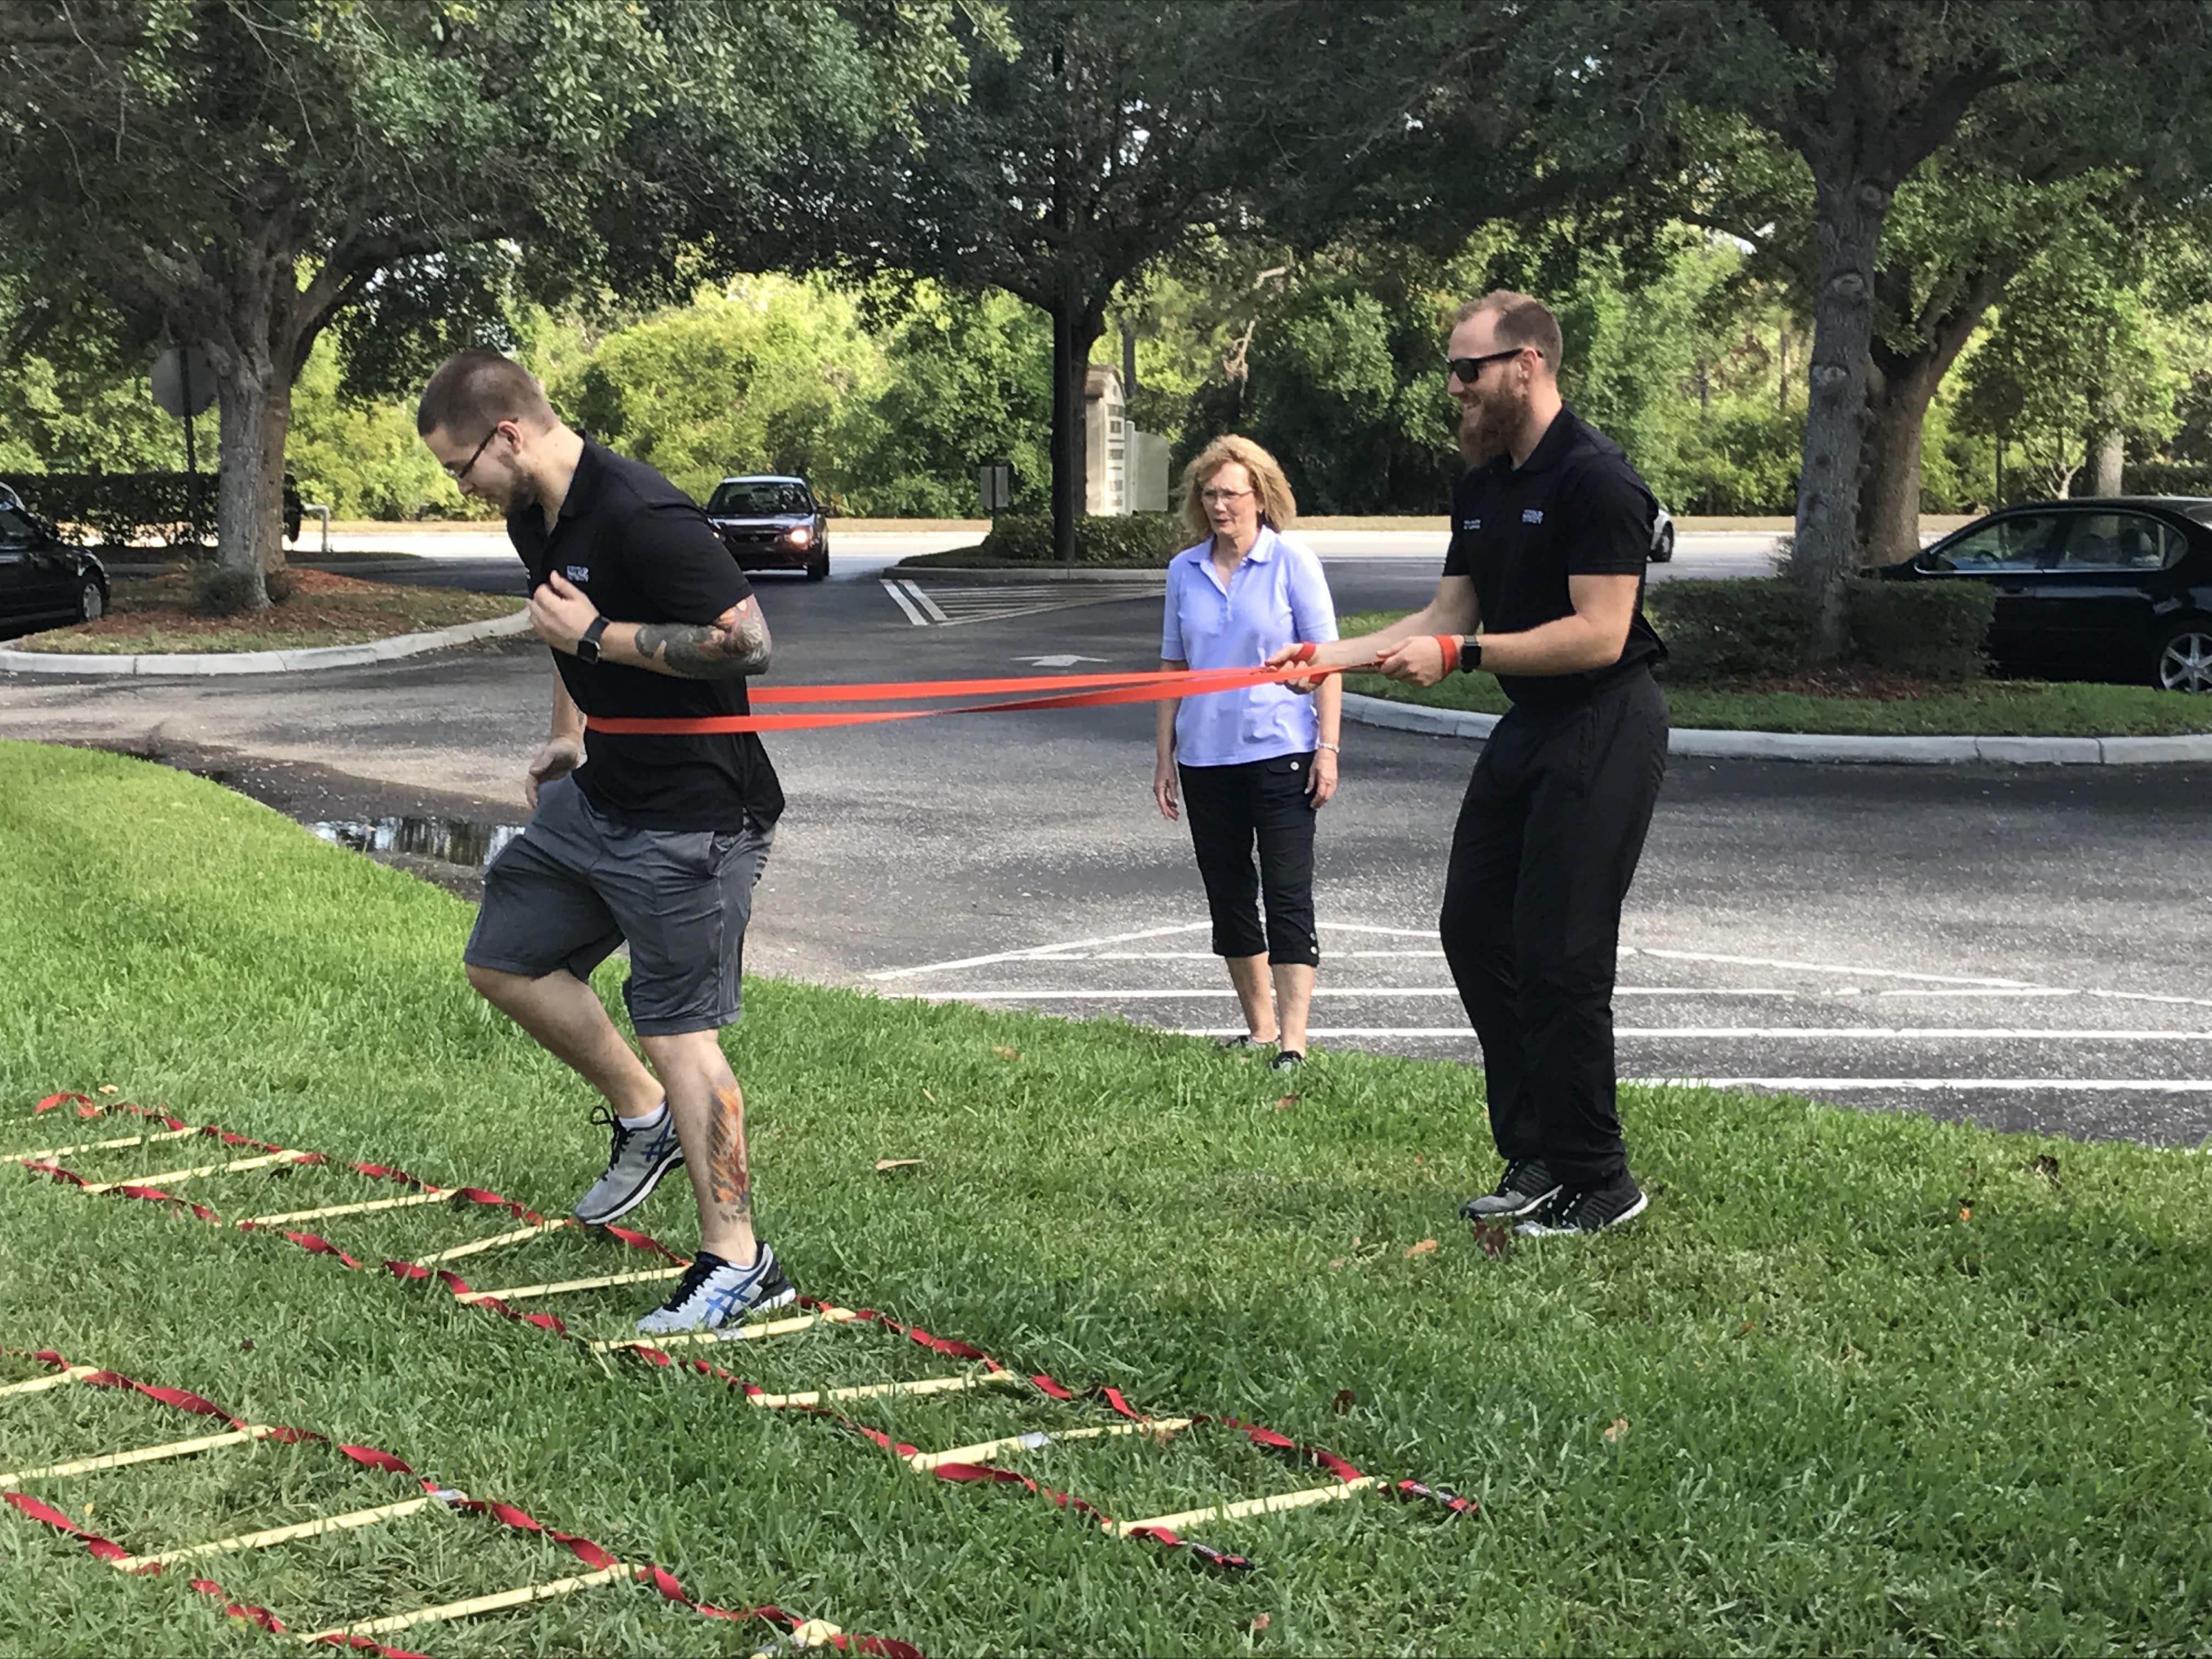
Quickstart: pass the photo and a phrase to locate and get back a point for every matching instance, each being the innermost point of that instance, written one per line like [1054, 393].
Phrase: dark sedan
[772, 523]
[44, 581]
[2116, 589]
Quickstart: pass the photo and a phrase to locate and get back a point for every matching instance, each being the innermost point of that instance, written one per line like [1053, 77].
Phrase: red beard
[1486, 427]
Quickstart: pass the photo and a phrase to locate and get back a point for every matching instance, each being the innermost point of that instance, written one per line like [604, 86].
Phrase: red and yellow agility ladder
[602, 1568]
[966, 1464]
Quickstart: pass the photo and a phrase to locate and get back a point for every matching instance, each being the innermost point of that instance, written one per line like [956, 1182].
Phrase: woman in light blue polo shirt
[1254, 765]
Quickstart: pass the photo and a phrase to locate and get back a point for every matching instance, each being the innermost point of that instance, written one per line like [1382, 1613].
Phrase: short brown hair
[1279, 508]
[1522, 321]
[474, 391]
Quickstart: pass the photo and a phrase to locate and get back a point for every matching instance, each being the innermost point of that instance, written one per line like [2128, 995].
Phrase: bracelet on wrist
[1331, 747]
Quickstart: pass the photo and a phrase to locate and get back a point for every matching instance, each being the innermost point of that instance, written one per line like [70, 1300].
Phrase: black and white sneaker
[635, 1162]
[1287, 1059]
[1526, 1182]
[714, 1292]
[1589, 1209]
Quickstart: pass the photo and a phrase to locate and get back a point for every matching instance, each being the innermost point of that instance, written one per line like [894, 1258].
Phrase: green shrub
[1717, 630]
[176, 509]
[1938, 630]
[1128, 538]
[225, 590]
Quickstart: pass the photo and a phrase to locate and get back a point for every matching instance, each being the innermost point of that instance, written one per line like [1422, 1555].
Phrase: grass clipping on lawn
[1904, 707]
[1856, 1382]
[155, 617]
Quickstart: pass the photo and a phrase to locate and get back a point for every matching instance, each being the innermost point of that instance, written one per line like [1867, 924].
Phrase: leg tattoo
[729, 1178]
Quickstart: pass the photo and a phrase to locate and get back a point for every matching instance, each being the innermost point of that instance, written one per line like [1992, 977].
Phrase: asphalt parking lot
[2019, 945]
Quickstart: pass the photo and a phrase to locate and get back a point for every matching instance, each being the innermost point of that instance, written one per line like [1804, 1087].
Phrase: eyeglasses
[1467, 370]
[1221, 497]
[457, 473]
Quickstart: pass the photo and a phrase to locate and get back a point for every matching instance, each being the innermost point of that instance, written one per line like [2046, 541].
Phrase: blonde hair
[1279, 508]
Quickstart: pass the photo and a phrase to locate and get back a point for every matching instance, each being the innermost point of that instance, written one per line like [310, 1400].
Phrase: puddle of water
[452, 840]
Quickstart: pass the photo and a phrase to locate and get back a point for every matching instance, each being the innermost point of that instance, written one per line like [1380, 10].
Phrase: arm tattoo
[729, 1178]
[734, 643]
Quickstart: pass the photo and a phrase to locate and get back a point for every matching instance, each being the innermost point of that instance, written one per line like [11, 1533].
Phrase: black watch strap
[1470, 653]
[587, 644]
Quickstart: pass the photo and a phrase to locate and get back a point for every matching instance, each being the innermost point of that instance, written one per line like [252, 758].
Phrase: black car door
[26, 586]
[2094, 603]
[2007, 553]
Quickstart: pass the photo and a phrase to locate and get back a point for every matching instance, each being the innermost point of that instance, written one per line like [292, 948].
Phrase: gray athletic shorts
[575, 884]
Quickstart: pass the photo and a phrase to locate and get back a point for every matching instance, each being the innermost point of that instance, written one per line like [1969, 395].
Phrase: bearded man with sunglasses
[1543, 586]
[654, 841]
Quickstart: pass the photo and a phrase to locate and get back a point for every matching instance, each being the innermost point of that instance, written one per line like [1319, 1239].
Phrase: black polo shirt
[641, 550]
[1574, 507]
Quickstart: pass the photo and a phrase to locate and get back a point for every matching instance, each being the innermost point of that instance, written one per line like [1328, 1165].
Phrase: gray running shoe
[635, 1162]
[715, 1293]
[1526, 1182]
[1589, 1210]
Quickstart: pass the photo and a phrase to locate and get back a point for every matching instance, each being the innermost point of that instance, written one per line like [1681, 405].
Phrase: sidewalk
[262, 662]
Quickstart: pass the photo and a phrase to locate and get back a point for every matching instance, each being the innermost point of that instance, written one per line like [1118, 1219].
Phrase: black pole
[191, 453]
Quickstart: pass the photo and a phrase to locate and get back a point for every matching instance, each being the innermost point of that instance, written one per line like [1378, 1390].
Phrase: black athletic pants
[1547, 844]
[1230, 808]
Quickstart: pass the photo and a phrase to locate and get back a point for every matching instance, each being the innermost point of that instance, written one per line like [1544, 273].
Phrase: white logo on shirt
[1532, 515]
[579, 572]
[1470, 523]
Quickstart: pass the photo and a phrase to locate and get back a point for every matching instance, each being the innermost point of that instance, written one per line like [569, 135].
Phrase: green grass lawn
[2035, 709]
[1855, 1382]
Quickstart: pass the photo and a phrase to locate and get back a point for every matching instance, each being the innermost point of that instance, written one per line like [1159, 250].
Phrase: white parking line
[1041, 949]
[1819, 967]
[1171, 993]
[905, 603]
[2111, 1085]
[1744, 1033]
[936, 614]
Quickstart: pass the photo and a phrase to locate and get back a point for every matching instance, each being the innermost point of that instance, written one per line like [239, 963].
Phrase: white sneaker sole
[730, 1330]
[1539, 1229]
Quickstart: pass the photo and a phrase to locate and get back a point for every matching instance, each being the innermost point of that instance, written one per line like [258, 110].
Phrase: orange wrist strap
[1449, 644]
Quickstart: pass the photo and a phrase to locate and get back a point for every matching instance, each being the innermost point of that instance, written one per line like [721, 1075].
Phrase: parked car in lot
[770, 522]
[44, 581]
[2115, 589]
[1662, 539]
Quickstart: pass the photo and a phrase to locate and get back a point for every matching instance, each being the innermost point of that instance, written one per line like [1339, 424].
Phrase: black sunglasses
[1467, 370]
[470, 464]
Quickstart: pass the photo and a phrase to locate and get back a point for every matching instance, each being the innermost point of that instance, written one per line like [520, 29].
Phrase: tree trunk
[257, 351]
[1074, 332]
[2108, 457]
[1900, 387]
[1852, 209]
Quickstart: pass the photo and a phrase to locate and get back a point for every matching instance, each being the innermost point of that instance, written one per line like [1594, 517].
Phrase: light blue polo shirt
[1276, 597]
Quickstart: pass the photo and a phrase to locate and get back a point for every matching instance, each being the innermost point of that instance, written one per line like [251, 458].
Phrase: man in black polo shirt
[1551, 527]
[654, 841]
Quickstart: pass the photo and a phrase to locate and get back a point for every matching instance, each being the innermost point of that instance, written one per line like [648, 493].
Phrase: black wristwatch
[1470, 653]
[587, 644]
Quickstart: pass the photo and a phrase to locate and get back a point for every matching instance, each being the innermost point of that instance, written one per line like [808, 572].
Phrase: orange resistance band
[1449, 644]
[1148, 686]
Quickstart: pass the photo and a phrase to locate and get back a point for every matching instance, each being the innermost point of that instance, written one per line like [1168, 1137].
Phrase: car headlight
[799, 535]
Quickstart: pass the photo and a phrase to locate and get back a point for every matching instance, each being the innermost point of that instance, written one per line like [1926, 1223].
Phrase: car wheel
[1662, 550]
[2184, 658]
[817, 568]
[91, 602]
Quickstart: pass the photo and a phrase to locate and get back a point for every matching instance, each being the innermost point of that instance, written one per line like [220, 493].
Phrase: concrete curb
[1818, 746]
[264, 662]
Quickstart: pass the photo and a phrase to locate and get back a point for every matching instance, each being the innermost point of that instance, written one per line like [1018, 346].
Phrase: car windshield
[753, 498]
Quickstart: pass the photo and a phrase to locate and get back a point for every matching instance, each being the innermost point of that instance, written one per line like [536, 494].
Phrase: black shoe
[1236, 1044]
[1287, 1059]
[1589, 1209]
[1526, 1182]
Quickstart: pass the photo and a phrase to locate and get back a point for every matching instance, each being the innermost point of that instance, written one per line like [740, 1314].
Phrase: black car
[772, 523]
[2111, 589]
[44, 581]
